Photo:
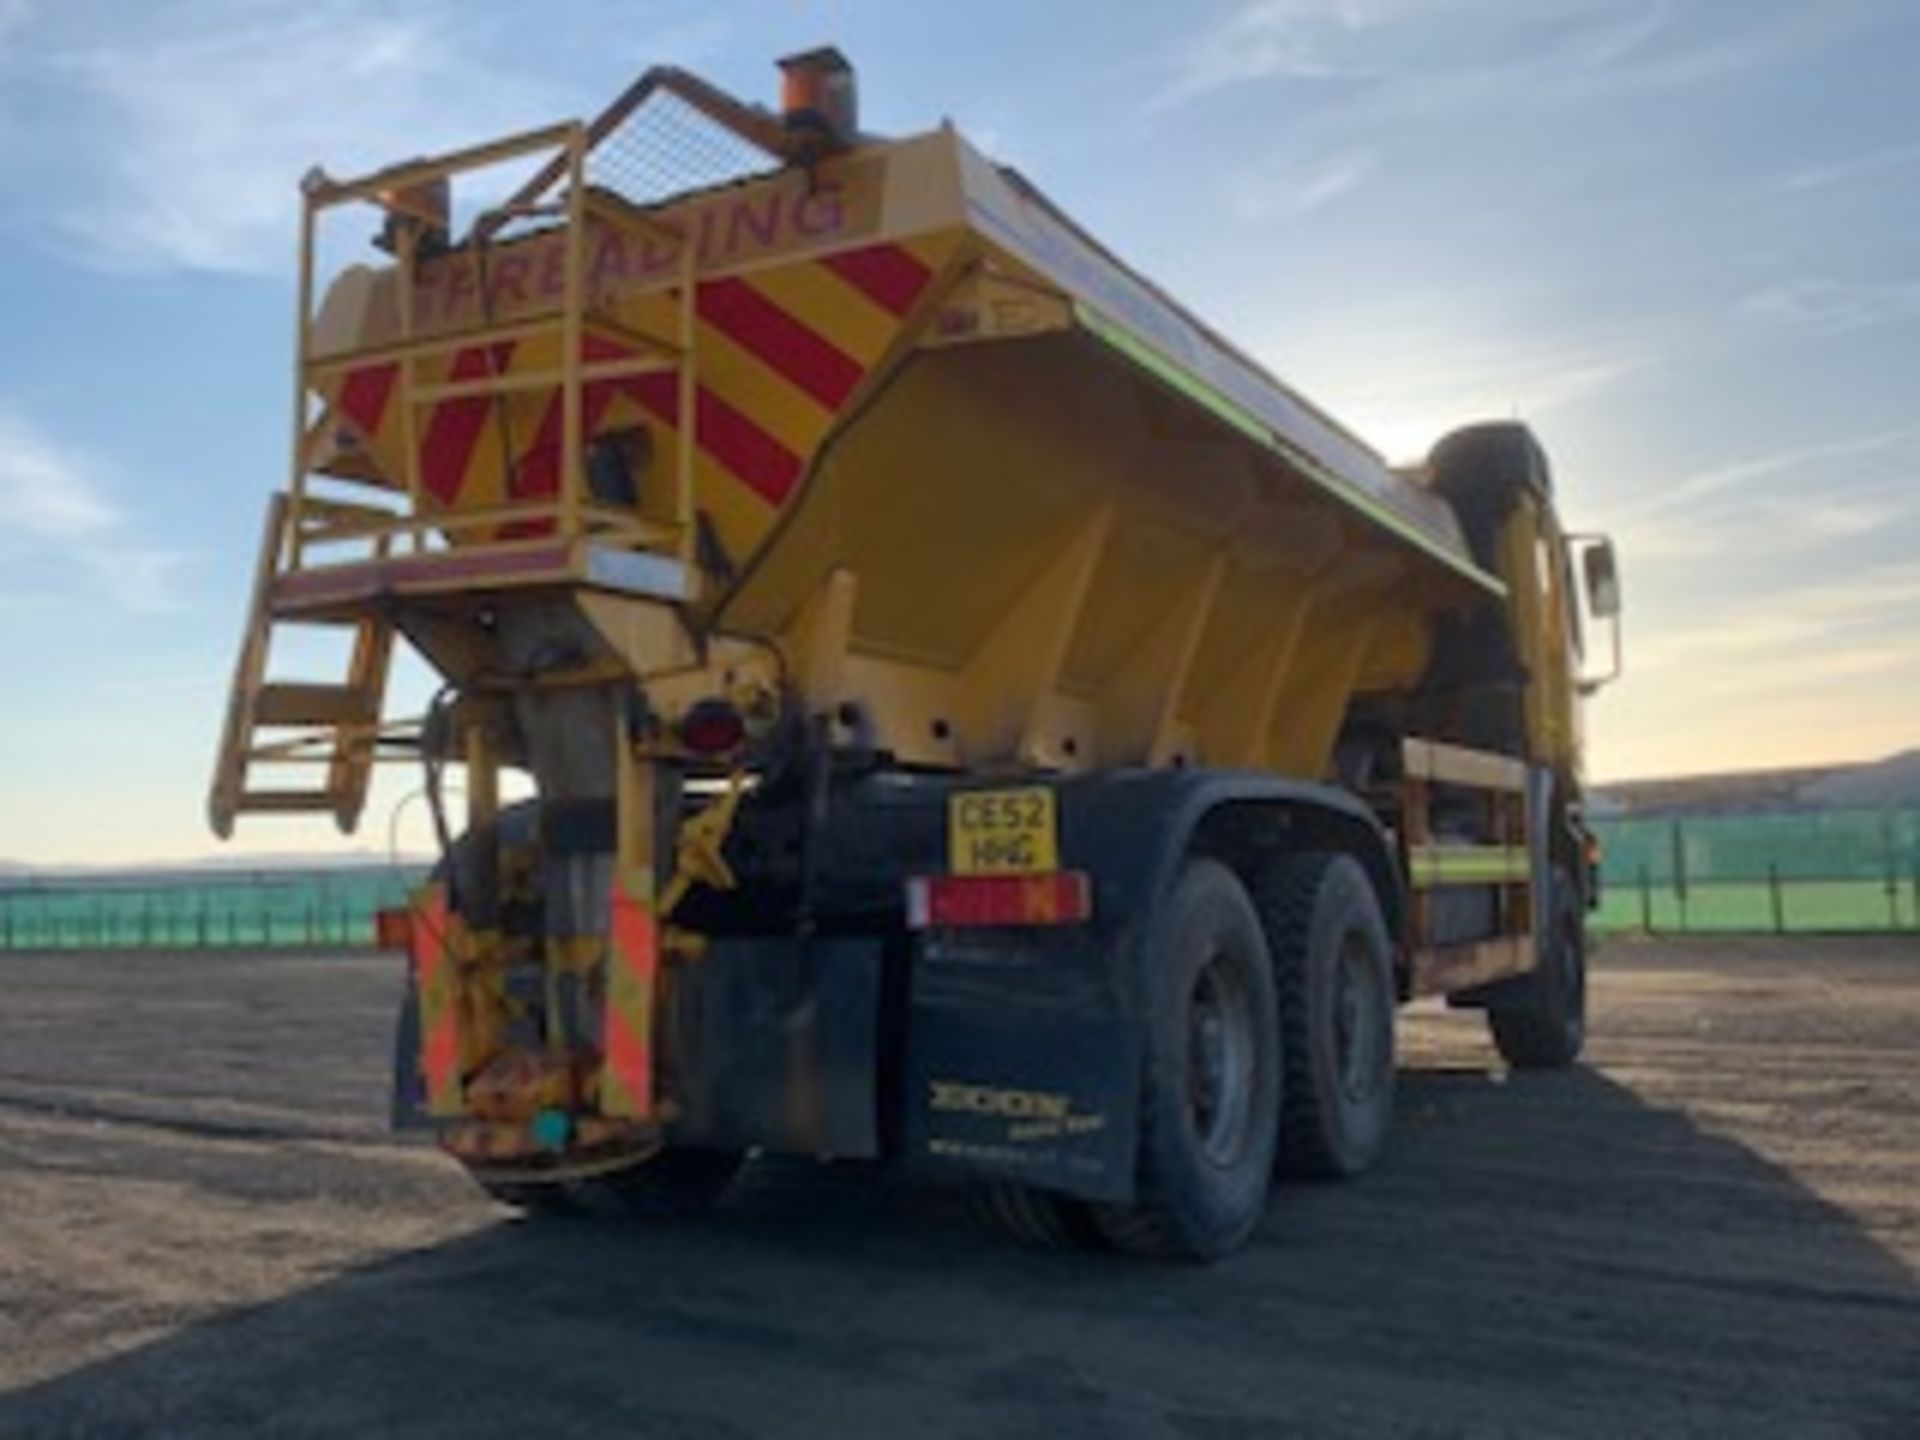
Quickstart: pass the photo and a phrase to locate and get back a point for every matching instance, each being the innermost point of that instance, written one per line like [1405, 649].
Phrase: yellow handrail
[571, 511]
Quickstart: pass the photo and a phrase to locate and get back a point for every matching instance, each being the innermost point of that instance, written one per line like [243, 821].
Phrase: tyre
[1210, 1101]
[1480, 469]
[1539, 1021]
[1334, 967]
[1035, 1218]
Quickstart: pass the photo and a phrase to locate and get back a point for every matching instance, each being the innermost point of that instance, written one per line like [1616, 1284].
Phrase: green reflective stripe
[1254, 428]
[1192, 386]
[1467, 865]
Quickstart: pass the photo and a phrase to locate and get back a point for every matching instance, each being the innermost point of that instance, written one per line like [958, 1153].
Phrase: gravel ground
[1713, 1229]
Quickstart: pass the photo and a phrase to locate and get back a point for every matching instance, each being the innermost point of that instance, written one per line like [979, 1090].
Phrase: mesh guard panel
[667, 148]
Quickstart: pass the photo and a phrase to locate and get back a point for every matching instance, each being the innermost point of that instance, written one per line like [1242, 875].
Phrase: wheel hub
[1220, 1061]
[1356, 1026]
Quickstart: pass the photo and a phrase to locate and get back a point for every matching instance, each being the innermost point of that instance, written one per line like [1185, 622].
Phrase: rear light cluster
[713, 727]
[393, 929]
[1063, 897]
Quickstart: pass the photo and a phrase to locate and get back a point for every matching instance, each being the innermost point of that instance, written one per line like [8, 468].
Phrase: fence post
[1680, 874]
[1646, 901]
[1891, 870]
[1773, 888]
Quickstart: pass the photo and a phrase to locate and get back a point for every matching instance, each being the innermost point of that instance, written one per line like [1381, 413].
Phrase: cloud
[174, 138]
[1869, 614]
[1705, 484]
[1454, 359]
[1853, 167]
[1266, 40]
[196, 127]
[144, 579]
[51, 496]
[1402, 63]
[1833, 307]
[44, 491]
[14, 15]
[1780, 503]
[1821, 668]
[1324, 182]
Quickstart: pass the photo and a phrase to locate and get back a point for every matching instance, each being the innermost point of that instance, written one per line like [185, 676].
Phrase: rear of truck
[976, 719]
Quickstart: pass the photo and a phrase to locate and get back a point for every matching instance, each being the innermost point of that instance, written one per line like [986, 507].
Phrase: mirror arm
[1589, 687]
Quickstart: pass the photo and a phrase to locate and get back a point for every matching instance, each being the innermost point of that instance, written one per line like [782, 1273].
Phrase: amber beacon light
[818, 93]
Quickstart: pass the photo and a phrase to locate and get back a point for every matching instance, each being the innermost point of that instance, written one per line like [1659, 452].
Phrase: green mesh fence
[332, 907]
[1819, 871]
[1826, 870]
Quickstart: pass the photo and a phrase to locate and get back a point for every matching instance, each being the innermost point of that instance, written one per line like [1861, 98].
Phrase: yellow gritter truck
[977, 719]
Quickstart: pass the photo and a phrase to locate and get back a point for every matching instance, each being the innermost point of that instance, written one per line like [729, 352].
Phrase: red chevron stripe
[537, 475]
[364, 395]
[429, 930]
[744, 448]
[628, 1053]
[888, 275]
[440, 1052]
[456, 424]
[796, 353]
[728, 435]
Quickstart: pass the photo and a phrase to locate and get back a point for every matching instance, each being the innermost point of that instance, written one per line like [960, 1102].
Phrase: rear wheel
[1539, 1021]
[1210, 1105]
[1335, 971]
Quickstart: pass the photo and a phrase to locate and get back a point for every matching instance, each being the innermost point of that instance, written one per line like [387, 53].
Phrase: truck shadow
[1546, 1255]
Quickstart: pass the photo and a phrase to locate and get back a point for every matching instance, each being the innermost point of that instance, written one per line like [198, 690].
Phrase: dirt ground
[1712, 1229]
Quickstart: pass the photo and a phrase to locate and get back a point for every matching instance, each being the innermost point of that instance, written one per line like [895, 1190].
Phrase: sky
[1676, 236]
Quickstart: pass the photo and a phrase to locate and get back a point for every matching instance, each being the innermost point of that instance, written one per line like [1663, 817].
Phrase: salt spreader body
[977, 719]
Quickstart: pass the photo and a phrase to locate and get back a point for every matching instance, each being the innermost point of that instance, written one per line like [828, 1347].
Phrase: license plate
[1002, 832]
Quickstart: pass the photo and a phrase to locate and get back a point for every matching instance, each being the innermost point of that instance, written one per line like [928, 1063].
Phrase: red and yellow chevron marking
[436, 973]
[633, 965]
[780, 352]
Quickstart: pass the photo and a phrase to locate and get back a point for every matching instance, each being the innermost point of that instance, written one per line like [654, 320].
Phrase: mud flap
[1039, 1096]
[774, 1043]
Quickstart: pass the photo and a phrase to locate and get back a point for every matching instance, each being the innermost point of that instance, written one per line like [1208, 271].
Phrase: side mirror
[1603, 580]
[1599, 599]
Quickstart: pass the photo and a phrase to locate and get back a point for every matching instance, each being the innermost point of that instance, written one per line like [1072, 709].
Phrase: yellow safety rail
[569, 514]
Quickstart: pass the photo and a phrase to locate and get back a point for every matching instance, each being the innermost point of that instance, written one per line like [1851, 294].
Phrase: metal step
[287, 802]
[302, 702]
[344, 717]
